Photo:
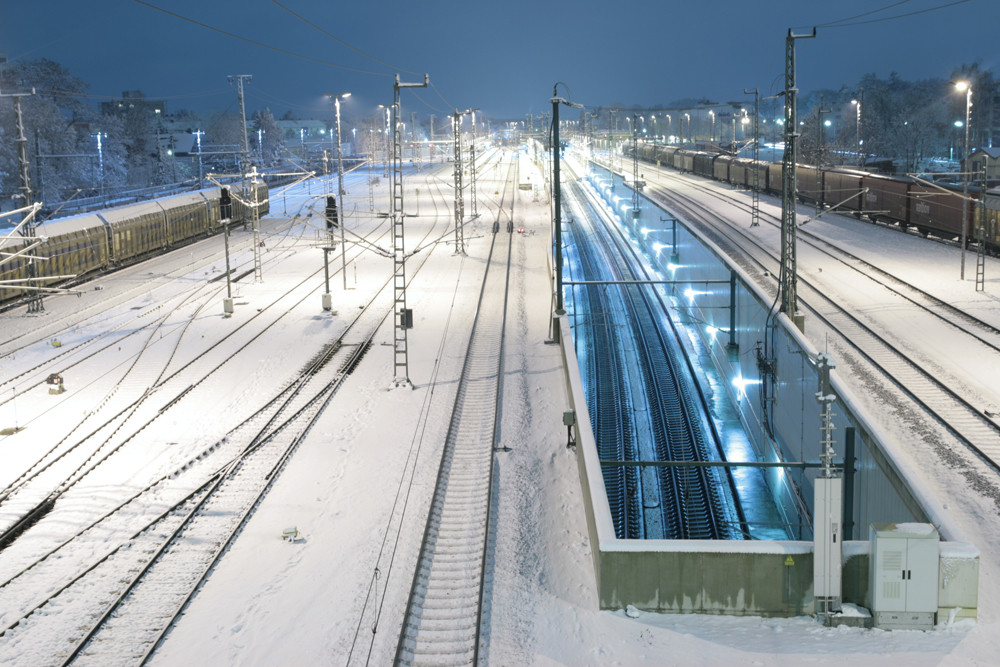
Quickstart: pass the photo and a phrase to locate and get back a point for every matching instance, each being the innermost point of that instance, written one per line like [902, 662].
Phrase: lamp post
[857, 132]
[340, 186]
[966, 87]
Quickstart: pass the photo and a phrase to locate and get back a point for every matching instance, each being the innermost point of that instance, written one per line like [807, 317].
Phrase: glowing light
[657, 247]
[741, 385]
[673, 268]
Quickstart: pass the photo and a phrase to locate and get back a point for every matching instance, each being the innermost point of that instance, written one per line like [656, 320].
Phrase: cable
[256, 43]
[334, 37]
[858, 16]
[839, 24]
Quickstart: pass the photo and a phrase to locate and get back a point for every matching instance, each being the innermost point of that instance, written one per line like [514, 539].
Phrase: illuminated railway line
[914, 377]
[647, 402]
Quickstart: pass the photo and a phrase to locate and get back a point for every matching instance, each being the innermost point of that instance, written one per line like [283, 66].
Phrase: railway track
[191, 520]
[986, 332]
[933, 388]
[65, 465]
[441, 624]
[670, 422]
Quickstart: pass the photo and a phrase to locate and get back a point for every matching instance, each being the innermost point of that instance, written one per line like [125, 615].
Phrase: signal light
[331, 212]
[225, 205]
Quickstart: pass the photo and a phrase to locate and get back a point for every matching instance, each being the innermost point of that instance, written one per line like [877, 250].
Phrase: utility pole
[820, 112]
[557, 198]
[35, 303]
[472, 167]
[244, 168]
[635, 166]
[340, 190]
[611, 136]
[788, 277]
[456, 124]
[430, 144]
[404, 319]
[755, 156]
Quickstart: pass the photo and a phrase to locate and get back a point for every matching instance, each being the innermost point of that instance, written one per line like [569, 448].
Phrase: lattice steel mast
[456, 124]
[403, 319]
[35, 303]
[258, 275]
[789, 301]
[755, 155]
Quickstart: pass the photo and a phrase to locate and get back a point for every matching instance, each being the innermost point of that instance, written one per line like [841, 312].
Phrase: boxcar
[887, 198]
[73, 246]
[809, 183]
[990, 220]
[774, 172]
[684, 160]
[703, 164]
[838, 187]
[722, 167]
[135, 230]
[762, 169]
[937, 210]
[187, 216]
[666, 155]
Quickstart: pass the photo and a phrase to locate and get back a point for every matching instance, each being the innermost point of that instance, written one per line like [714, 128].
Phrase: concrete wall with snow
[760, 578]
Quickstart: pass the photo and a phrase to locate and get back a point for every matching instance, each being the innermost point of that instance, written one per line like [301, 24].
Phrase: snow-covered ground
[359, 484]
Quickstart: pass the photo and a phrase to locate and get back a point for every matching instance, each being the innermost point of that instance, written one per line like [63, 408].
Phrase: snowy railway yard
[166, 399]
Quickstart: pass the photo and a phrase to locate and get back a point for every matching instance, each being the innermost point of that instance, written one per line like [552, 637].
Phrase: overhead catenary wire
[337, 39]
[848, 22]
[260, 44]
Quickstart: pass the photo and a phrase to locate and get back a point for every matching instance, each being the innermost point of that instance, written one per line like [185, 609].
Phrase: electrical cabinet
[903, 575]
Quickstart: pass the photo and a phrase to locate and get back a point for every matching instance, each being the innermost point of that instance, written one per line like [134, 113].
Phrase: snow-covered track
[938, 394]
[130, 629]
[441, 625]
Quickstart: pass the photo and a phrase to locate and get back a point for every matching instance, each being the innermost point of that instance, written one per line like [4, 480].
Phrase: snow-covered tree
[273, 139]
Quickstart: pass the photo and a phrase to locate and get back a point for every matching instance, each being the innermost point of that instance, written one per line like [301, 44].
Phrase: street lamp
[965, 87]
[857, 138]
[340, 186]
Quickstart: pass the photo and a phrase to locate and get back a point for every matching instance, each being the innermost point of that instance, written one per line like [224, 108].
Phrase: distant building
[988, 158]
[133, 99]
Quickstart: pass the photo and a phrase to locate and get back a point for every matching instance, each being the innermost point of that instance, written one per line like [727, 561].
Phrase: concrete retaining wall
[754, 577]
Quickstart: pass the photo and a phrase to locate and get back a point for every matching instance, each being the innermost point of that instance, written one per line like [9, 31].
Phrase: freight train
[108, 239]
[934, 209]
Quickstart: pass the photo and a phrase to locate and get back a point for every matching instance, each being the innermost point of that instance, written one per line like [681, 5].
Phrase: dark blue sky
[502, 57]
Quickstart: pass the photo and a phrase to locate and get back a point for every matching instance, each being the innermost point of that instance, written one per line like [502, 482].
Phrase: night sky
[501, 57]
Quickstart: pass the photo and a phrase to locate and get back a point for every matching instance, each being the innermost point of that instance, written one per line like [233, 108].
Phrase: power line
[840, 24]
[858, 16]
[256, 43]
[334, 37]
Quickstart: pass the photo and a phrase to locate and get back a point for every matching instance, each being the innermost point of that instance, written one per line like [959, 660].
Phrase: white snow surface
[357, 488]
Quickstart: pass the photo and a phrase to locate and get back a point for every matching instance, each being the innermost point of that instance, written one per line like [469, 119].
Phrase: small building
[133, 99]
[980, 158]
